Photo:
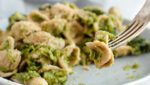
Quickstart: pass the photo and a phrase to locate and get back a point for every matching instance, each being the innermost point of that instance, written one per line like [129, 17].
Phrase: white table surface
[128, 8]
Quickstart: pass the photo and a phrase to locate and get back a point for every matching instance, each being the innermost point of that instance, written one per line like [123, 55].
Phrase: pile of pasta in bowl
[45, 44]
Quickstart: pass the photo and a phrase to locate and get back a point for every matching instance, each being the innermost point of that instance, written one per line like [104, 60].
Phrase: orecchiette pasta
[23, 28]
[8, 43]
[125, 50]
[103, 36]
[10, 59]
[37, 16]
[2, 36]
[37, 81]
[38, 38]
[54, 26]
[7, 74]
[73, 32]
[48, 67]
[105, 51]
[115, 11]
[56, 42]
[73, 53]
[116, 15]
[64, 64]
[63, 11]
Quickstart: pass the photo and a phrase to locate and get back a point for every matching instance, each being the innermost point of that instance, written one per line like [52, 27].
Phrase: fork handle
[144, 13]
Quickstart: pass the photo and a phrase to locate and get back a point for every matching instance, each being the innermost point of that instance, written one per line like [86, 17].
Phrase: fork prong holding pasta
[135, 28]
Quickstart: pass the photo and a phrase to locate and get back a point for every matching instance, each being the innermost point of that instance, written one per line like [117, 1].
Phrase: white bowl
[114, 75]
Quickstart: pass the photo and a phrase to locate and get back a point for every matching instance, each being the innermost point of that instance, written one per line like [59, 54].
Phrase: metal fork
[135, 28]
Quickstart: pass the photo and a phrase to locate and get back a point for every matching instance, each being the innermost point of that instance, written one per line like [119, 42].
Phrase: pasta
[37, 16]
[33, 81]
[106, 57]
[10, 57]
[45, 44]
[125, 50]
[23, 28]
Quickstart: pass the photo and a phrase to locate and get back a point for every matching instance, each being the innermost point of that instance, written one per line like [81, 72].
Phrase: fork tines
[133, 30]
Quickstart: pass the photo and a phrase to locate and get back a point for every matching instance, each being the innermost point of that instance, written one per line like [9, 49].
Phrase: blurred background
[128, 8]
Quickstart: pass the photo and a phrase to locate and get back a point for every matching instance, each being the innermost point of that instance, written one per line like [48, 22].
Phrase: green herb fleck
[135, 66]
[126, 67]
[129, 67]
[81, 84]
[131, 77]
